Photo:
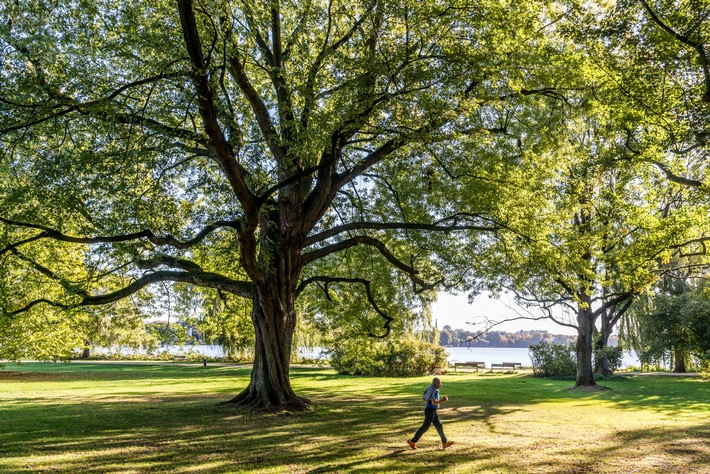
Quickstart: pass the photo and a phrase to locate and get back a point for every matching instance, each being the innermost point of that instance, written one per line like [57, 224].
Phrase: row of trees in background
[465, 338]
[324, 168]
[671, 327]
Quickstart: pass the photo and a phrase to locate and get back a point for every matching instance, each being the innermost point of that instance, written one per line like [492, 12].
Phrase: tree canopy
[247, 147]
[324, 149]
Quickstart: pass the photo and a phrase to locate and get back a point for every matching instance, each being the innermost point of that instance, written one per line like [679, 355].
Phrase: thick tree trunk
[274, 319]
[679, 360]
[270, 387]
[585, 340]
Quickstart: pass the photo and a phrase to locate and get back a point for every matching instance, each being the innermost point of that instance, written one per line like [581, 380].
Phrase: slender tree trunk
[679, 360]
[609, 318]
[585, 340]
[602, 364]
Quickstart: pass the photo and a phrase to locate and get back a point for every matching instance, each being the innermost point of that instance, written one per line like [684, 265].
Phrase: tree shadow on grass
[171, 434]
[689, 444]
[649, 450]
[51, 371]
[642, 450]
[659, 393]
[354, 426]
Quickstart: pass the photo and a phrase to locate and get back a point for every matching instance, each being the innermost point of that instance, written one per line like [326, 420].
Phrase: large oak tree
[243, 147]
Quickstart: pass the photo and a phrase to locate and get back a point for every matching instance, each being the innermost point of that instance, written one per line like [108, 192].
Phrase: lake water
[489, 355]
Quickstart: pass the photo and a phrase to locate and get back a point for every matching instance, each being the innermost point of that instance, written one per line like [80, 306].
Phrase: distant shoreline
[449, 337]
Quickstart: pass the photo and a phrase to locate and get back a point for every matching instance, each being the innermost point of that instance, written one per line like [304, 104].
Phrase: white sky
[455, 311]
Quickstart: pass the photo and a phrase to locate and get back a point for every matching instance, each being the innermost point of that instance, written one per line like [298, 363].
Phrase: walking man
[431, 395]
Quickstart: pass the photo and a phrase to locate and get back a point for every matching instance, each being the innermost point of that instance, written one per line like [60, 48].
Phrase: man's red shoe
[412, 444]
[447, 444]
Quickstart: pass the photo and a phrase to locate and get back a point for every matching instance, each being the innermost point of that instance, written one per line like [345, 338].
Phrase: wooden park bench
[506, 366]
[470, 365]
[178, 357]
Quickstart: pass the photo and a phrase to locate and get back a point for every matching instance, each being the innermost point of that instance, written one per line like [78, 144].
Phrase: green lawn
[166, 418]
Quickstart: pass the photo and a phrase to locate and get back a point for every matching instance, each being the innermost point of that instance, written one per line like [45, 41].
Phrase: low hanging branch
[49, 233]
[203, 279]
[192, 273]
[68, 286]
[368, 291]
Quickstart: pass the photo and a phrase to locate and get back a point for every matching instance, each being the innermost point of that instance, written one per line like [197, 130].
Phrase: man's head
[436, 382]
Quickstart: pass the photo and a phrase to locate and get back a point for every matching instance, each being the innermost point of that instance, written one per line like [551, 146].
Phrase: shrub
[388, 358]
[553, 360]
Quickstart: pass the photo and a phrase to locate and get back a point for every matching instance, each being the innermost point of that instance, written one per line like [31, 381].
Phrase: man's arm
[437, 401]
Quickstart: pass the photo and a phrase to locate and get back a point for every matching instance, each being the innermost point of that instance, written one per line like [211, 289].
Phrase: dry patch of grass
[12, 376]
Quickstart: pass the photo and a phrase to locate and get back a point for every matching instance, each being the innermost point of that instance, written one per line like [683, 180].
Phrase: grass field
[93, 418]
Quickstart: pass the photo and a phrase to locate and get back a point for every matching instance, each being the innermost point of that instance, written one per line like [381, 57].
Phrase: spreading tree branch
[224, 152]
[48, 233]
[618, 314]
[204, 279]
[683, 39]
[613, 302]
[168, 261]
[368, 291]
[321, 236]
[677, 179]
[314, 255]
[545, 306]
[326, 51]
[68, 286]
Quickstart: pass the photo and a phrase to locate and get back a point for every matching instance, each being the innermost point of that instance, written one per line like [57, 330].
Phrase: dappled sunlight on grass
[65, 418]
